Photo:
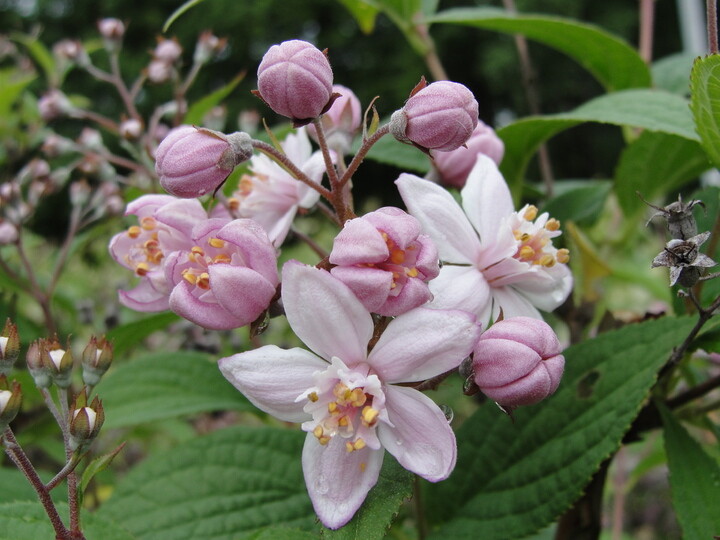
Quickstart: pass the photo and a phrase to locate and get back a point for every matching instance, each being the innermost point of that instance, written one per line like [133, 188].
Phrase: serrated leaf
[672, 73]
[178, 12]
[200, 108]
[512, 479]
[705, 103]
[652, 110]
[28, 521]
[694, 481]
[363, 13]
[227, 485]
[128, 335]
[377, 512]
[656, 163]
[582, 203]
[97, 465]
[166, 385]
[614, 63]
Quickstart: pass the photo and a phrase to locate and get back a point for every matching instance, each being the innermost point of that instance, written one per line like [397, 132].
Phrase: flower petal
[206, 314]
[144, 297]
[370, 285]
[325, 314]
[359, 242]
[423, 343]
[486, 198]
[512, 303]
[460, 287]
[421, 439]
[337, 480]
[242, 292]
[272, 378]
[441, 218]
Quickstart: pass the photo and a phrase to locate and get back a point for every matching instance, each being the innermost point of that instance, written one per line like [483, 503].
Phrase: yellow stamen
[233, 204]
[397, 256]
[526, 252]
[546, 260]
[359, 444]
[552, 224]
[369, 415]
[142, 269]
[517, 235]
[358, 398]
[530, 213]
[349, 447]
[312, 396]
[203, 281]
[332, 407]
[324, 440]
[222, 258]
[343, 421]
[216, 242]
[563, 256]
[189, 277]
[413, 272]
[318, 432]
[148, 223]
[524, 237]
[134, 231]
[363, 466]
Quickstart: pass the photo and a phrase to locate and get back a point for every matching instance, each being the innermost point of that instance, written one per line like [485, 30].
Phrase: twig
[647, 20]
[712, 26]
[694, 393]
[364, 149]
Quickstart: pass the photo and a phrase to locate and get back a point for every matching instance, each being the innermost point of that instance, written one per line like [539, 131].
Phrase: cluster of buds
[682, 253]
[165, 56]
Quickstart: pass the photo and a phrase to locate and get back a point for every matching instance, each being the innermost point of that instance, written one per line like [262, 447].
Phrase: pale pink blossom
[269, 195]
[495, 258]
[227, 278]
[348, 399]
[385, 261]
[518, 361]
[164, 226]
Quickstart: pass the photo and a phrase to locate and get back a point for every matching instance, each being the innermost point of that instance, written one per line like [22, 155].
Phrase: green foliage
[200, 108]
[511, 479]
[404, 156]
[672, 73]
[381, 506]
[694, 479]
[166, 385]
[227, 485]
[580, 201]
[615, 64]
[705, 104]
[189, 4]
[126, 336]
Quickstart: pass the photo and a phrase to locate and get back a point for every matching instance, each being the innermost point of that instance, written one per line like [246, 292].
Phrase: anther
[369, 415]
[203, 281]
[397, 256]
[530, 213]
[526, 252]
[552, 224]
[148, 223]
[142, 269]
[563, 255]
[312, 396]
[216, 242]
[134, 231]
[189, 277]
[413, 272]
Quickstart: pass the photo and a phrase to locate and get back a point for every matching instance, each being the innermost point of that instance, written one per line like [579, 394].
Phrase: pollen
[546, 261]
[142, 269]
[552, 224]
[312, 396]
[526, 252]
[563, 256]
[357, 445]
[222, 258]
[413, 272]
[134, 231]
[369, 416]
[357, 398]
[397, 256]
[530, 213]
[216, 243]
[332, 407]
[148, 223]
[203, 281]
[189, 277]
[363, 466]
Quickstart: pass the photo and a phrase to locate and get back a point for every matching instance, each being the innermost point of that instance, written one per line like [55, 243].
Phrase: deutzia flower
[347, 398]
[495, 258]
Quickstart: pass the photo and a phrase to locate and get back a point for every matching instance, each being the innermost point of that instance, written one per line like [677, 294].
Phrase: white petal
[325, 314]
[337, 480]
[423, 343]
[421, 439]
[486, 198]
[441, 217]
[272, 378]
[460, 287]
[512, 303]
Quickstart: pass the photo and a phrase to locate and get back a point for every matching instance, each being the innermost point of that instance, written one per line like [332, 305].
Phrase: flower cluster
[379, 315]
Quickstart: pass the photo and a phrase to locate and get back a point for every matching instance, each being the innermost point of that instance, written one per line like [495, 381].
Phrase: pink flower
[191, 162]
[518, 361]
[295, 80]
[454, 167]
[495, 258]
[441, 116]
[227, 278]
[270, 195]
[385, 261]
[167, 50]
[349, 400]
[342, 121]
[165, 224]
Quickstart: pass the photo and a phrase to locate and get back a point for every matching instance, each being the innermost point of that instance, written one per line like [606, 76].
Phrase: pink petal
[144, 297]
[529, 390]
[182, 214]
[414, 293]
[499, 362]
[359, 242]
[242, 292]
[423, 343]
[512, 303]
[460, 287]
[400, 226]
[272, 378]
[208, 315]
[325, 314]
[486, 198]
[337, 480]
[422, 440]
[370, 285]
[441, 218]
[253, 241]
[147, 204]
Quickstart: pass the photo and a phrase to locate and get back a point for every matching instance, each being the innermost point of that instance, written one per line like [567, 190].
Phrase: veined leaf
[128, 335]
[705, 103]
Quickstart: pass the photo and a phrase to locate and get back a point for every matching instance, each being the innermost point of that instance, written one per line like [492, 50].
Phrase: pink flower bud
[111, 29]
[441, 116]
[159, 72]
[454, 167]
[517, 361]
[167, 50]
[385, 261]
[342, 121]
[131, 129]
[54, 104]
[208, 45]
[191, 162]
[295, 80]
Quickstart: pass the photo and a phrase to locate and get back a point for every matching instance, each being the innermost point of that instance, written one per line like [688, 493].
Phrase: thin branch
[66, 470]
[694, 393]
[364, 149]
[712, 26]
[647, 21]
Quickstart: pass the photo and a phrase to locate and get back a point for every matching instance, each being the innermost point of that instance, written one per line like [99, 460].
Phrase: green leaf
[382, 504]
[12, 83]
[166, 385]
[39, 53]
[226, 485]
[582, 203]
[15, 487]
[694, 481]
[282, 533]
[656, 163]
[653, 110]
[404, 156]
[28, 521]
[364, 14]
[200, 108]
[705, 103]
[178, 12]
[672, 73]
[512, 479]
[128, 335]
[614, 63]
[97, 465]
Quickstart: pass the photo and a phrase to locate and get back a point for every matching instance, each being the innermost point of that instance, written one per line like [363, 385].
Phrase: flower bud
[8, 233]
[55, 145]
[167, 50]
[71, 51]
[61, 362]
[10, 402]
[9, 347]
[342, 121]
[112, 32]
[441, 116]
[159, 72]
[54, 104]
[454, 167]
[85, 421]
[295, 80]
[191, 162]
[517, 361]
[131, 129]
[96, 359]
[208, 45]
[39, 363]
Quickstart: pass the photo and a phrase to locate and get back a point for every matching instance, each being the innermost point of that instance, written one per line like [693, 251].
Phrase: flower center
[347, 403]
[200, 258]
[146, 254]
[534, 237]
[400, 262]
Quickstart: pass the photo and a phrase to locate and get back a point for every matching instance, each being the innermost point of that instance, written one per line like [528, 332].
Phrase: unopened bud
[159, 71]
[96, 359]
[71, 51]
[10, 402]
[61, 362]
[54, 145]
[112, 32]
[9, 347]
[85, 421]
[131, 129]
[39, 363]
[208, 45]
[167, 50]
[79, 192]
[8, 233]
[54, 104]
